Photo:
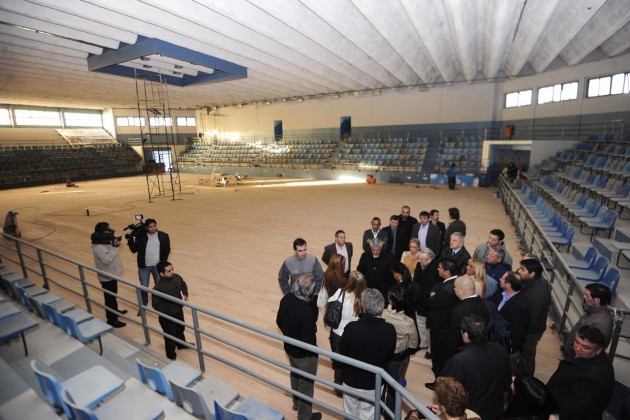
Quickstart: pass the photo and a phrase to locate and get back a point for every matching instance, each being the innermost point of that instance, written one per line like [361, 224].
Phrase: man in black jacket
[370, 340]
[457, 252]
[424, 278]
[341, 247]
[469, 304]
[395, 238]
[297, 318]
[441, 300]
[514, 309]
[405, 224]
[173, 285]
[482, 367]
[537, 294]
[374, 265]
[152, 247]
[427, 233]
[583, 384]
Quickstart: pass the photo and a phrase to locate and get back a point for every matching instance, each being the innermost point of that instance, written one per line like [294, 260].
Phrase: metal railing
[566, 291]
[57, 271]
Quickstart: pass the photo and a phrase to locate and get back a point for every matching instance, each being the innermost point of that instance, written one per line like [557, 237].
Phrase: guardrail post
[18, 249]
[378, 383]
[143, 317]
[42, 268]
[88, 306]
[195, 317]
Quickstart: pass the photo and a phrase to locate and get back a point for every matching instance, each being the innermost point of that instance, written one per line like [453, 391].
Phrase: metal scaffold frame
[152, 97]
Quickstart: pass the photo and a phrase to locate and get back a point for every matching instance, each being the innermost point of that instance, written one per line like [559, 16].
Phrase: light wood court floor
[228, 244]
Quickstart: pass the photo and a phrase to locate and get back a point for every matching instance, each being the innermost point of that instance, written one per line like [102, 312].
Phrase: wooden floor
[229, 243]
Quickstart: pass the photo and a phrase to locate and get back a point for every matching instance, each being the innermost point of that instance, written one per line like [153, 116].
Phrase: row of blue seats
[97, 393]
[556, 228]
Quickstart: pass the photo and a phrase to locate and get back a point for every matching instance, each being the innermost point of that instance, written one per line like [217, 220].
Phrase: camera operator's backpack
[499, 331]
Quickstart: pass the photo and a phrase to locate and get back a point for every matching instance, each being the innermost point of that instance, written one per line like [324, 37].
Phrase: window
[186, 122]
[516, 99]
[130, 122]
[83, 119]
[37, 117]
[5, 116]
[617, 84]
[160, 121]
[558, 93]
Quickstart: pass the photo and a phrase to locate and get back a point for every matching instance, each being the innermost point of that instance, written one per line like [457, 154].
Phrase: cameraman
[152, 247]
[105, 249]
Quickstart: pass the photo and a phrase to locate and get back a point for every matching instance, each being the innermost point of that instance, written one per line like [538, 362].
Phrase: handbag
[332, 316]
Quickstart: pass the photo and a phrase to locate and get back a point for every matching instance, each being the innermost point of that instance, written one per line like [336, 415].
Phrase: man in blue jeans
[152, 247]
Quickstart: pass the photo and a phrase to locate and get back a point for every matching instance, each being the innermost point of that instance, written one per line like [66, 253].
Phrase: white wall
[459, 102]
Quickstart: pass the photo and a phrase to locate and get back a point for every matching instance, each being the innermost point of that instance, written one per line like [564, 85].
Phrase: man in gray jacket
[297, 264]
[105, 249]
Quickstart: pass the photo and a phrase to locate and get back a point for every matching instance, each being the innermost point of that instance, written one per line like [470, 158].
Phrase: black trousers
[174, 329]
[438, 340]
[110, 301]
[451, 182]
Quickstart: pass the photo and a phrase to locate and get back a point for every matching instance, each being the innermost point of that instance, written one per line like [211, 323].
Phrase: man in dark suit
[373, 233]
[482, 367]
[405, 224]
[439, 304]
[427, 233]
[424, 278]
[370, 340]
[469, 304]
[457, 252]
[374, 265]
[395, 239]
[435, 219]
[514, 310]
[341, 247]
[455, 225]
[583, 384]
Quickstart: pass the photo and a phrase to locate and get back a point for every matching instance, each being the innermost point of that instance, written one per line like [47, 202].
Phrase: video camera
[137, 228]
[104, 235]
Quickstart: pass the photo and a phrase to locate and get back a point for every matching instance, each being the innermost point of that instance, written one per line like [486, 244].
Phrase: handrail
[538, 243]
[30, 264]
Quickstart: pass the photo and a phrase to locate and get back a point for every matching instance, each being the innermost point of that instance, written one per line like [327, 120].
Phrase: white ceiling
[299, 48]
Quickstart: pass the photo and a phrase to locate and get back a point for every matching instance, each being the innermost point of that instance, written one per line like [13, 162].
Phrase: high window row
[616, 84]
[28, 117]
[156, 121]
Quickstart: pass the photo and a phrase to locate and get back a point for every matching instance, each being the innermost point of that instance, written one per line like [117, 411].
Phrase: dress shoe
[403, 383]
[116, 324]
[430, 385]
[316, 416]
[427, 355]
[172, 358]
[124, 311]
[138, 314]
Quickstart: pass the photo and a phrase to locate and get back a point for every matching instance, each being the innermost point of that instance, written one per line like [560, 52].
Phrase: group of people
[153, 248]
[417, 287]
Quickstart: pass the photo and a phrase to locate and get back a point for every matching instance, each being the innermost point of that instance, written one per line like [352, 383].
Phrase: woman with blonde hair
[477, 269]
[350, 312]
[410, 258]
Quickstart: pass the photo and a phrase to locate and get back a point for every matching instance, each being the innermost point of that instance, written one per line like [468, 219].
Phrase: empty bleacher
[31, 165]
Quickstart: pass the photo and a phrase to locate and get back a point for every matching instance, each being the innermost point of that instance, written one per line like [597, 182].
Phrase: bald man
[469, 304]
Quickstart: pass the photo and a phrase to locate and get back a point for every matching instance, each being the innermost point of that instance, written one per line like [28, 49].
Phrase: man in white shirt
[341, 247]
[152, 247]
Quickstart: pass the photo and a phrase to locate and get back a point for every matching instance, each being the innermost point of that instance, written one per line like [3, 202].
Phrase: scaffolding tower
[158, 143]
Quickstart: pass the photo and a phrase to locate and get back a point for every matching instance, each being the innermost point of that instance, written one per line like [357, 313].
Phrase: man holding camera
[152, 247]
[105, 249]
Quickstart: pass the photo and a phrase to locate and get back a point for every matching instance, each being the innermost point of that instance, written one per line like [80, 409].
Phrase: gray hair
[373, 302]
[499, 251]
[304, 286]
[428, 252]
[458, 235]
[376, 243]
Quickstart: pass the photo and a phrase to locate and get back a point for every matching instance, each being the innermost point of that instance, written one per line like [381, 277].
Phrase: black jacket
[516, 312]
[484, 371]
[461, 258]
[330, 250]
[582, 387]
[469, 306]
[423, 281]
[400, 242]
[434, 237]
[174, 286]
[376, 271]
[537, 294]
[297, 319]
[370, 340]
[139, 245]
